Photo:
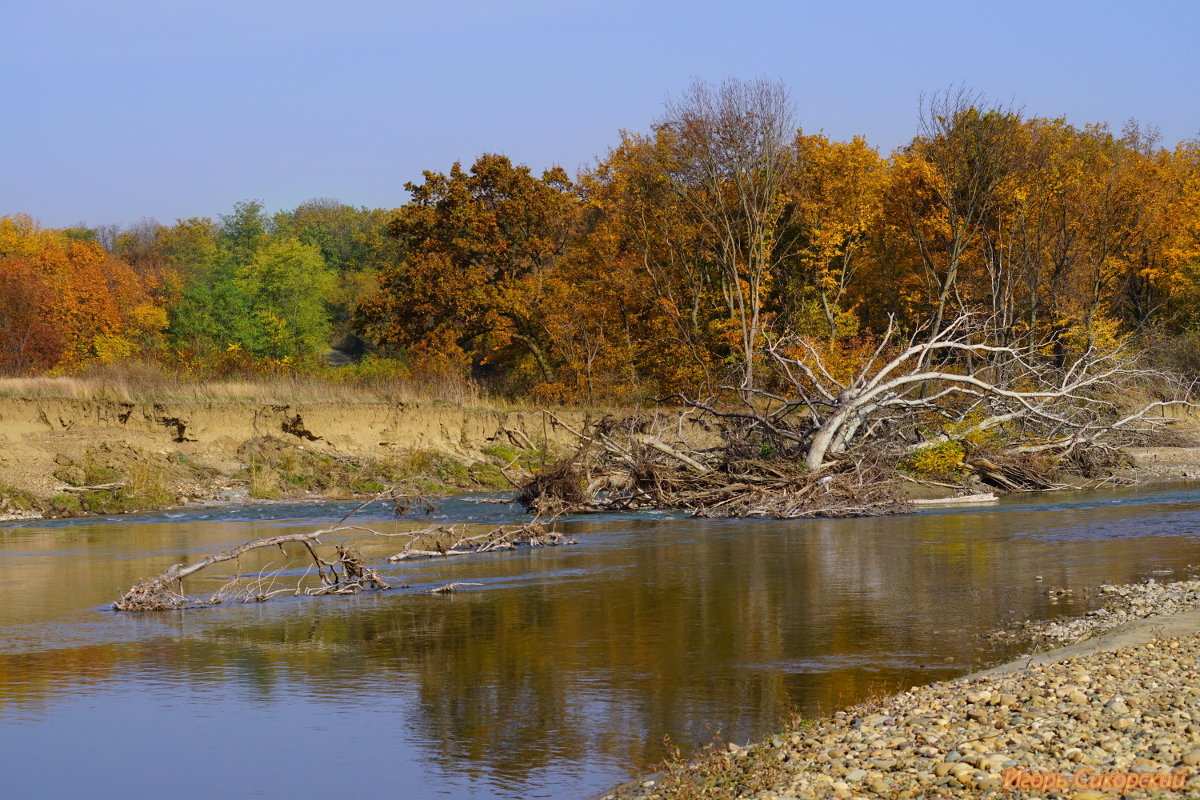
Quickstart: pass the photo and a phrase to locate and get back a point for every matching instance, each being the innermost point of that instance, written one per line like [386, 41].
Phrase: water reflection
[559, 676]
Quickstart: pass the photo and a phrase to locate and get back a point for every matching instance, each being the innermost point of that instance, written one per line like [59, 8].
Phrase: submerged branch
[442, 541]
[344, 572]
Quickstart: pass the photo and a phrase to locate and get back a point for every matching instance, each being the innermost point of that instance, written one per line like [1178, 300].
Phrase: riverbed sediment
[1115, 715]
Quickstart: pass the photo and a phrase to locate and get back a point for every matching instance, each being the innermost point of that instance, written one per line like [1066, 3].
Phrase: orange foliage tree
[479, 252]
[67, 302]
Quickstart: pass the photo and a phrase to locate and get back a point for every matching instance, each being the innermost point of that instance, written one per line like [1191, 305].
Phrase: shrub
[264, 483]
[66, 505]
[13, 499]
[941, 460]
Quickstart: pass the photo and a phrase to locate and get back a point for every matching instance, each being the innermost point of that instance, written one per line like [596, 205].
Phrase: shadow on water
[558, 676]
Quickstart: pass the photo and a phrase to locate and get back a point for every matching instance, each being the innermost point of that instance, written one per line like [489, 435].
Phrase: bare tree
[107, 235]
[731, 158]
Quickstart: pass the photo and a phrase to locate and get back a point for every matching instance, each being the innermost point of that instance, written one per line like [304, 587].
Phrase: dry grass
[265, 483]
[149, 483]
[155, 385]
[140, 382]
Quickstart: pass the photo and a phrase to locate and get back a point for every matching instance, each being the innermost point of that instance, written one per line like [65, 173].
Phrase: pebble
[1118, 604]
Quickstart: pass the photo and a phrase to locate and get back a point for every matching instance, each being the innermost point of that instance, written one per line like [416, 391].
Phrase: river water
[566, 671]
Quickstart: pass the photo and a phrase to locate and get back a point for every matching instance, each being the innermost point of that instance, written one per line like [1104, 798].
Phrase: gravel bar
[1119, 604]
[1114, 716]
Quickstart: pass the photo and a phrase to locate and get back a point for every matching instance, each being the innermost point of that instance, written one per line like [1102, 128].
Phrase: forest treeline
[669, 266]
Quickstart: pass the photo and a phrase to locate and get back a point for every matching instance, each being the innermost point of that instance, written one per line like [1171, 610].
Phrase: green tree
[286, 285]
[344, 233]
[244, 231]
[208, 313]
[353, 242]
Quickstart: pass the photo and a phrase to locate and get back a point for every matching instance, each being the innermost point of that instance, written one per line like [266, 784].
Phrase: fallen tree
[1033, 396]
[815, 440]
[344, 572]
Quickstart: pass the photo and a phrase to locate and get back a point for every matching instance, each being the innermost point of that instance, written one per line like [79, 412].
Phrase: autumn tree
[1183, 247]
[479, 247]
[67, 302]
[945, 188]
[28, 341]
[653, 260]
[836, 198]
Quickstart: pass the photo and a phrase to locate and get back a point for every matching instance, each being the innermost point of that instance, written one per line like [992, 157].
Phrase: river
[566, 671]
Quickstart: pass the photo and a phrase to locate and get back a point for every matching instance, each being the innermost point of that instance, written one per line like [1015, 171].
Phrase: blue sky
[119, 109]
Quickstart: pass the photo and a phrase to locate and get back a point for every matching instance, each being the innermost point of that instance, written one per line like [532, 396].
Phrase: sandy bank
[200, 449]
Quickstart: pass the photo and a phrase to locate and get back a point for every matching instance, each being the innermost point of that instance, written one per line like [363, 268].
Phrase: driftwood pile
[1050, 469]
[633, 464]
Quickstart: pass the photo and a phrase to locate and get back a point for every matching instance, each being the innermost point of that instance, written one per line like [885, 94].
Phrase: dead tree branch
[346, 574]
[634, 463]
[443, 541]
[819, 437]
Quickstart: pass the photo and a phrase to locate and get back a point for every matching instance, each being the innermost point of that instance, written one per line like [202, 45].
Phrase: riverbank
[71, 456]
[1090, 720]
[78, 455]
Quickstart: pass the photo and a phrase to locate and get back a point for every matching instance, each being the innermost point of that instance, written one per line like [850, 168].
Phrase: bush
[13, 499]
[66, 505]
[941, 460]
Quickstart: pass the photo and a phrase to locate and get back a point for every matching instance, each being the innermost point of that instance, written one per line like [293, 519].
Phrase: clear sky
[115, 110]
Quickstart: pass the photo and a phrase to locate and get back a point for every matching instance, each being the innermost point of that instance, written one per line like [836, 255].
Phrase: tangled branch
[346, 574]
[442, 541]
[641, 463]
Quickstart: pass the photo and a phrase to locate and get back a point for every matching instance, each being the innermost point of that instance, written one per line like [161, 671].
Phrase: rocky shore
[1117, 715]
[1119, 605]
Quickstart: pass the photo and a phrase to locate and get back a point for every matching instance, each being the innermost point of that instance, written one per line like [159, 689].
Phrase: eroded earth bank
[64, 457]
